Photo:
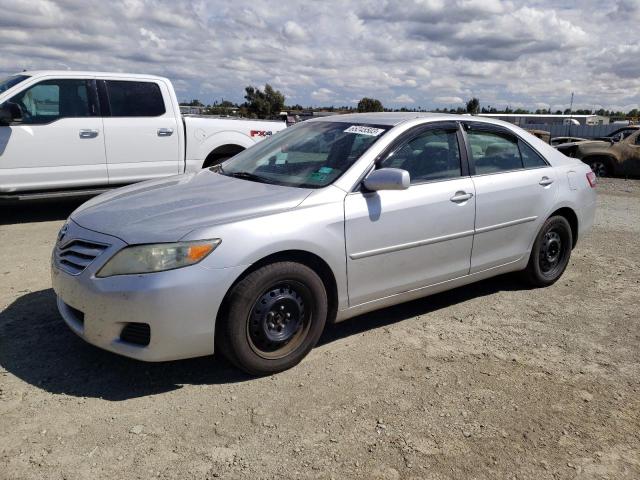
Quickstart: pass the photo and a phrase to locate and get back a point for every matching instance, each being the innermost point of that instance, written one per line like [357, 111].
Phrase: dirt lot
[489, 381]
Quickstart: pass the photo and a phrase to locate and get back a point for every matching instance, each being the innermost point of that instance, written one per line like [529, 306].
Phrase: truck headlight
[157, 257]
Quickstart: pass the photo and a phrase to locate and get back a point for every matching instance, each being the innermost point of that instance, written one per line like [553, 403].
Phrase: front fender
[317, 229]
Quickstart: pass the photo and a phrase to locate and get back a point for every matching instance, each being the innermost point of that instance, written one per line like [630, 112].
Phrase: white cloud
[433, 52]
[323, 95]
[293, 31]
[448, 100]
[404, 98]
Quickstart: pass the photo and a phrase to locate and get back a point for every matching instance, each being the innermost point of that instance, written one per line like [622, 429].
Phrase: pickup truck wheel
[274, 317]
[212, 162]
[600, 167]
[550, 253]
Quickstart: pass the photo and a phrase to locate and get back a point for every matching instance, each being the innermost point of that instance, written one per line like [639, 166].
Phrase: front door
[398, 241]
[58, 142]
[630, 154]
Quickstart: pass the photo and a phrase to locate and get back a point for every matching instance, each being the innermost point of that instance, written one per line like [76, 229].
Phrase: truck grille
[76, 255]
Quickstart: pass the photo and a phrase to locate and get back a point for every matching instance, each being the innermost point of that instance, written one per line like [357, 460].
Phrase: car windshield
[7, 83]
[308, 155]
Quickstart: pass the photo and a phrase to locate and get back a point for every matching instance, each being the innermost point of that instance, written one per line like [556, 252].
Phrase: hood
[166, 210]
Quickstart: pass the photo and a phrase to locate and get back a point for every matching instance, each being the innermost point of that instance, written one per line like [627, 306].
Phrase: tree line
[268, 103]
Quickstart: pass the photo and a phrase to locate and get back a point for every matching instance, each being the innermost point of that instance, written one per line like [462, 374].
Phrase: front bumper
[180, 306]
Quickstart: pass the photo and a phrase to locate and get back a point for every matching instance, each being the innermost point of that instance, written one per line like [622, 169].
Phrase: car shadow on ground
[37, 347]
[38, 211]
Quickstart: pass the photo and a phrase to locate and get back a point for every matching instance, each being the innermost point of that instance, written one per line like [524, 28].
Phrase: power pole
[570, 114]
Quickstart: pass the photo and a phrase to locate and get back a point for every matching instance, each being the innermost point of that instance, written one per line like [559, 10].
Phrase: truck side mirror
[5, 115]
[9, 113]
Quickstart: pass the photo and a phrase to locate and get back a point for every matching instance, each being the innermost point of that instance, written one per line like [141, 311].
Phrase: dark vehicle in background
[541, 134]
[618, 156]
[620, 134]
[555, 141]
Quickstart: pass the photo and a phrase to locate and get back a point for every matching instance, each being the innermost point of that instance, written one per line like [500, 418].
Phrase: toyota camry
[326, 220]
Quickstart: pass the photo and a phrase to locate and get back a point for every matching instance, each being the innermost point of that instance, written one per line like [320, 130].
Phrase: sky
[412, 53]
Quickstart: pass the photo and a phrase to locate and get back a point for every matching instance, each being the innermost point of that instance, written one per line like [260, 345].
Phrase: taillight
[592, 179]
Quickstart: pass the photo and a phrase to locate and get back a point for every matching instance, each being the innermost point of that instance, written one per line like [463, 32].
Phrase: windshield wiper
[249, 176]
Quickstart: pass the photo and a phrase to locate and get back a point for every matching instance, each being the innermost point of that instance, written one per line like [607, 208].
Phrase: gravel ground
[488, 381]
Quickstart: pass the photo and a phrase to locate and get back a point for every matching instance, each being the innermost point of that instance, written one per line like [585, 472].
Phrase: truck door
[630, 154]
[141, 131]
[56, 140]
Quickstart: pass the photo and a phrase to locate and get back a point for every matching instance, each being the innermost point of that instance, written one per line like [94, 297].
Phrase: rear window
[530, 158]
[135, 99]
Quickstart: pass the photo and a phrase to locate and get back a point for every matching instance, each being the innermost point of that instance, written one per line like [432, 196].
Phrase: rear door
[58, 143]
[141, 130]
[402, 240]
[515, 190]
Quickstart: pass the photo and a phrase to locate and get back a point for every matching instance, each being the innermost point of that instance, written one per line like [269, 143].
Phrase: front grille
[76, 255]
[136, 333]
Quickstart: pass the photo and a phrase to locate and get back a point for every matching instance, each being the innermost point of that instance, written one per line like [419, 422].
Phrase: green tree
[194, 103]
[263, 104]
[370, 105]
[473, 106]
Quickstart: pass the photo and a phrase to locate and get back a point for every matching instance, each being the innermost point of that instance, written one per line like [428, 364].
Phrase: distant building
[189, 110]
[523, 119]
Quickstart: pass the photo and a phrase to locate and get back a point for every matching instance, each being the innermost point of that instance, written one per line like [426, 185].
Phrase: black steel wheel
[600, 167]
[272, 318]
[279, 319]
[550, 253]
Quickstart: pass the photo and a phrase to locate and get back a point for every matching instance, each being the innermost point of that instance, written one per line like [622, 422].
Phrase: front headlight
[158, 257]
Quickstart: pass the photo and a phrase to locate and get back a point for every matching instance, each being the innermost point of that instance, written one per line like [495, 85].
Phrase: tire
[550, 253]
[272, 318]
[601, 167]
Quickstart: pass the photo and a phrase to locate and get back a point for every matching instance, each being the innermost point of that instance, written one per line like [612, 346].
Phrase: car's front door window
[430, 155]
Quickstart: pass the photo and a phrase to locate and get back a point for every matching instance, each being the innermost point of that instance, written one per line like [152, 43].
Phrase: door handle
[545, 181]
[88, 133]
[461, 197]
[165, 132]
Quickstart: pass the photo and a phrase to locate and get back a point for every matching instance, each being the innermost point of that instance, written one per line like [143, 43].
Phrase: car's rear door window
[493, 152]
[530, 158]
[135, 99]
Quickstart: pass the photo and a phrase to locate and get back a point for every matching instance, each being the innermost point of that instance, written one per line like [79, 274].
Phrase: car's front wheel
[550, 253]
[272, 318]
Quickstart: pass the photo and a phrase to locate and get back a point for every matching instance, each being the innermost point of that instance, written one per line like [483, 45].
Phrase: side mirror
[5, 115]
[387, 179]
[9, 112]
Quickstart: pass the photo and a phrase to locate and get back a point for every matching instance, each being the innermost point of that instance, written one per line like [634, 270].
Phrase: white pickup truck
[79, 133]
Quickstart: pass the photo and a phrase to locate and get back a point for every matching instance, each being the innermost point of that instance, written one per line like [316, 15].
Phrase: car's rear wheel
[550, 253]
[272, 318]
[600, 167]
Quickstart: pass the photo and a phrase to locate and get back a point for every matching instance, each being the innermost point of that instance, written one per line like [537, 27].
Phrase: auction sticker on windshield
[371, 131]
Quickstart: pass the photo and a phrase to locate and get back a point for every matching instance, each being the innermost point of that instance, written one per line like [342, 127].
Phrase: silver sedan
[327, 220]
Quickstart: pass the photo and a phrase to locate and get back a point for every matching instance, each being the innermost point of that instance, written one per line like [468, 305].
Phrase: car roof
[43, 73]
[393, 119]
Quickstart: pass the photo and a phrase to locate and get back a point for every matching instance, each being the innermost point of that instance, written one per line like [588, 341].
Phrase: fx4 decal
[261, 133]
